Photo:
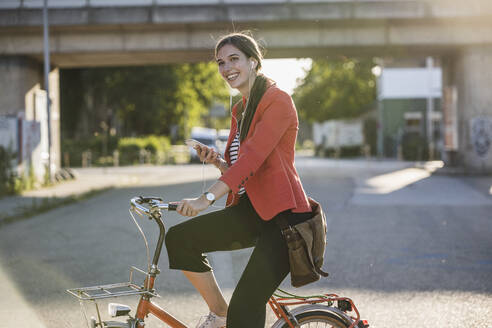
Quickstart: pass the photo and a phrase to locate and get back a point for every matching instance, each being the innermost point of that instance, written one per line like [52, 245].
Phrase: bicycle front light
[116, 310]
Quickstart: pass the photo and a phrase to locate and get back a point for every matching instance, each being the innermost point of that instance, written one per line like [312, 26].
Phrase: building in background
[410, 110]
[25, 135]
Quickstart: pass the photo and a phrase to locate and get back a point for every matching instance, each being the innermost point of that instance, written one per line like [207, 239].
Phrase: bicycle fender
[315, 307]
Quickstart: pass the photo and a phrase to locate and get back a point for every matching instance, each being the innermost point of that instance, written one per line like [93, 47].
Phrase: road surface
[410, 248]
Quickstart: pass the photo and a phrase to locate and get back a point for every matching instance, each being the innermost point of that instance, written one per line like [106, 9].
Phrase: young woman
[259, 176]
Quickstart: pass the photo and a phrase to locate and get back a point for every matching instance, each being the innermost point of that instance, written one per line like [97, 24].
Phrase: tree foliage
[160, 100]
[336, 89]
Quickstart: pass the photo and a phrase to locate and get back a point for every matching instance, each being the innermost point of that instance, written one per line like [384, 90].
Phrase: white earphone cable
[238, 128]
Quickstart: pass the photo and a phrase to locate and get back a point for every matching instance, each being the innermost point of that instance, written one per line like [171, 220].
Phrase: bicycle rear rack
[112, 290]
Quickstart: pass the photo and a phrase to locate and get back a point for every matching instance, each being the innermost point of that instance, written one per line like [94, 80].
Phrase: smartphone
[192, 143]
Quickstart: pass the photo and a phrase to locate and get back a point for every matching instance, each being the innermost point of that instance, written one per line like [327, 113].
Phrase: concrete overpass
[87, 33]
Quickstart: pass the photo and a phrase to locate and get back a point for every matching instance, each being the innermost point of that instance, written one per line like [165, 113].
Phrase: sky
[286, 71]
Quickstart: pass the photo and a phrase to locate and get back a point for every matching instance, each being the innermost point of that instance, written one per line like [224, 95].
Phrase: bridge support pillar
[21, 82]
[467, 72]
[18, 77]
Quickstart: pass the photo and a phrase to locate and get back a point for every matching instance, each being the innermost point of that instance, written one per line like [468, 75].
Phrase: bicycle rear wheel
[319, 319]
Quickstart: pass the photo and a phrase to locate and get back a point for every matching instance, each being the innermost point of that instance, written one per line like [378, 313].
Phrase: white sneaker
[212, 320]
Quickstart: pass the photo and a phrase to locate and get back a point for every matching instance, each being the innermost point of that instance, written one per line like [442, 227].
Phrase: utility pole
[46, 46]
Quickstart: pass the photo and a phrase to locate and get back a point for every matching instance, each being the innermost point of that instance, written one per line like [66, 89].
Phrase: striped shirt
[233, 153]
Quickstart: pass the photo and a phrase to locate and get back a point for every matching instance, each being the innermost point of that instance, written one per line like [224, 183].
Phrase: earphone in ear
[252, 64]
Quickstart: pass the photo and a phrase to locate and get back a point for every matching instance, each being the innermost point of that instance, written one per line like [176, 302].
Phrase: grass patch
[47, 204]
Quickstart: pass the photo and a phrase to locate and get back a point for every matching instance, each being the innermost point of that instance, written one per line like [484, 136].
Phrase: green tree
[336, 89]
[139, 100]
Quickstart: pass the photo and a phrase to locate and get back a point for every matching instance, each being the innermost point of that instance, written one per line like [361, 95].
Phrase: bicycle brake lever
[148, 199]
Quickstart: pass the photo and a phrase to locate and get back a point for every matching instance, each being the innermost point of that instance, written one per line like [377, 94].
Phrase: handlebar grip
[172, 207]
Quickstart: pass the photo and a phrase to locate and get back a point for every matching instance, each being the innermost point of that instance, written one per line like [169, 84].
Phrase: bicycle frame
[146, 306]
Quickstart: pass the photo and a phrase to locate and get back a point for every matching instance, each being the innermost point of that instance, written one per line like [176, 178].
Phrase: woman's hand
[192, 206]
[207, 155]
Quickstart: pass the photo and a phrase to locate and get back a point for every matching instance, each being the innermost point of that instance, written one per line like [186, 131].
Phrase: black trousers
[236, 227]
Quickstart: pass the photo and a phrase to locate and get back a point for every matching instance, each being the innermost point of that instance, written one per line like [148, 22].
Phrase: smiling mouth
[232, 77]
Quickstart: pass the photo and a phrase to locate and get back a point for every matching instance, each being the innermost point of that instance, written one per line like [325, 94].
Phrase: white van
[206, 136]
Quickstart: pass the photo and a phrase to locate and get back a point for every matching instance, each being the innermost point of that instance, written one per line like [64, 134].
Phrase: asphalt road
[411, 249]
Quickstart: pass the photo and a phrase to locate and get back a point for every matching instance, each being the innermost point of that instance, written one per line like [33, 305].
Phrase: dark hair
[243, 42]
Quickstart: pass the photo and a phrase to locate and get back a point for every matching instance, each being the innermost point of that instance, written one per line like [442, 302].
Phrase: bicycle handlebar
[152, 201]
[153, 211]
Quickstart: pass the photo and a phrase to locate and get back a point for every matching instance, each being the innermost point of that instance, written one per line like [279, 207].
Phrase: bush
[390, 146]
[158, 147]
[151, 149]
[129, 149]
[178, 154]
[350, 151]
[306, 145]
[73, 148]
[105, 161]
[414, 147]
[7, 172]
[342, 152]
[371, 134]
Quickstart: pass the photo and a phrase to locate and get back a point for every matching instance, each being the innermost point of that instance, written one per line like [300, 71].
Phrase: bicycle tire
[321, 319]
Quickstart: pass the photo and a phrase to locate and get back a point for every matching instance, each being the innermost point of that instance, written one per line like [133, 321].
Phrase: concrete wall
[18, 76]
[469, 72]
[21, 80]
[474, 105]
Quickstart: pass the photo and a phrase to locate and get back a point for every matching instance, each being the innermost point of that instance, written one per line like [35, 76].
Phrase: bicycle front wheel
[319, 319]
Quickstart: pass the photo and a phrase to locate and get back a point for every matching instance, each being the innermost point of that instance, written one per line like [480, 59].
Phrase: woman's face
[235, 68]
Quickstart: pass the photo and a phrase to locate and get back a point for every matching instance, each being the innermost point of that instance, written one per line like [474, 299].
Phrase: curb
[46, 204]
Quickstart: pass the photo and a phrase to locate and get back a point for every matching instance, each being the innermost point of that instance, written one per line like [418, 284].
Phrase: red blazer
[265, 165]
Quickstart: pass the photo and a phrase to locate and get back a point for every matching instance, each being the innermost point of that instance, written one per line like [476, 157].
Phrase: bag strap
[282, 222]
[286, 230]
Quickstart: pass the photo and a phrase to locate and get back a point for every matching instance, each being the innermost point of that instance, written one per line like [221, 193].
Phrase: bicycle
[319, 309]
